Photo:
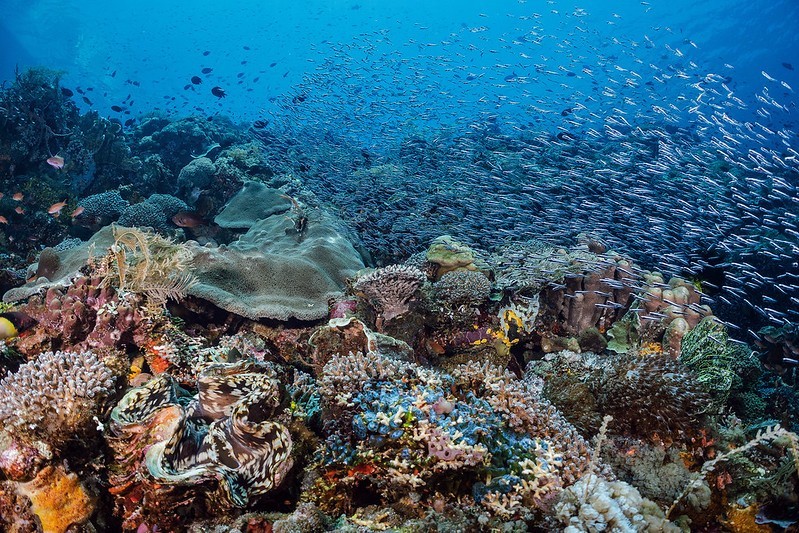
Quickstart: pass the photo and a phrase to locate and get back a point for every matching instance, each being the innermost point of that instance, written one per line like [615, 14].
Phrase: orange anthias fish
[3, 220]
[56, 161]
[19, 210]
[18, 196]
[77, 212]
[56, 208]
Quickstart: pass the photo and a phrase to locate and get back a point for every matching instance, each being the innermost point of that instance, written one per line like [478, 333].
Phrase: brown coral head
[390, 290]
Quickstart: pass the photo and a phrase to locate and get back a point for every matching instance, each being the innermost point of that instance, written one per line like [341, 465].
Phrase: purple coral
[389, 290]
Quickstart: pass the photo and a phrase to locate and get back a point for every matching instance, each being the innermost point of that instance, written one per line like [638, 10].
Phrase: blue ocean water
[352, 83]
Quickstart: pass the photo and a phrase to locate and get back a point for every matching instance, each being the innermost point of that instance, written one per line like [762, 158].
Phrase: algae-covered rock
[446, 254]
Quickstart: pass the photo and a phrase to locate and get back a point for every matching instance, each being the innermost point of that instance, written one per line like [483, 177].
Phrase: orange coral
[58, 499]
[742, 520]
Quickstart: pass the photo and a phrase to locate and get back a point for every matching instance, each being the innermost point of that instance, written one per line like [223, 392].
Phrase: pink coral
[85, 316]
[389, 290]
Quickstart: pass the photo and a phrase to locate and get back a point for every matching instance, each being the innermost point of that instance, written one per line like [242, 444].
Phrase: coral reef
[196, 175]
[445, 254]
[85, 316]
[651, 397]
[101, 209]
[669, 311]
[594, 504]
[273, 272]
[399, 430]
[462, 288]
[389, 291]
[155, 212]
[255, 201]
[52, 399]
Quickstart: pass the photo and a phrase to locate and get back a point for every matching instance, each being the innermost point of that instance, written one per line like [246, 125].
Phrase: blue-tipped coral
[402, 434]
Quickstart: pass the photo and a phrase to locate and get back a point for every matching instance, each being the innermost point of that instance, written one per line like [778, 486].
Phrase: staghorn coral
[53, 398]
[389, 291]
[222, 448]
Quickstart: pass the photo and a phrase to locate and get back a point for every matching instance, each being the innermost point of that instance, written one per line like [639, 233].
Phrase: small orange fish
[56, 208]
[18, 196]
[1, 195]
[56, 161]
[19, 210]
[3, 220]
[77, 212]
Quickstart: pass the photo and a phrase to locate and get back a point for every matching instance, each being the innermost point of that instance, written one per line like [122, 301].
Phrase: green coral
[707, 351]
[624, 335]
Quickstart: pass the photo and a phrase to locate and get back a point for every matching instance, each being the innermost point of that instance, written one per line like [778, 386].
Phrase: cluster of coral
[276, 382]
[210, 352]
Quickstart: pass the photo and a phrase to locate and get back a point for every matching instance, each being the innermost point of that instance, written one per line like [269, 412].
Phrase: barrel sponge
[255, 201]
[273, 272]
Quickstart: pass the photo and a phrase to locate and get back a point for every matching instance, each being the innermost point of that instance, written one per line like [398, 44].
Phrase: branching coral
[396, 428]
[389, 290]
[54, 397]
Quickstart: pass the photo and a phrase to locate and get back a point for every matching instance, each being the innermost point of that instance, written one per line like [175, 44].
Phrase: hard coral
[54, 397]
[650, 397]
[156, 212]
[101, 209]
[398, 428]
[389, 290]
[273, 271]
